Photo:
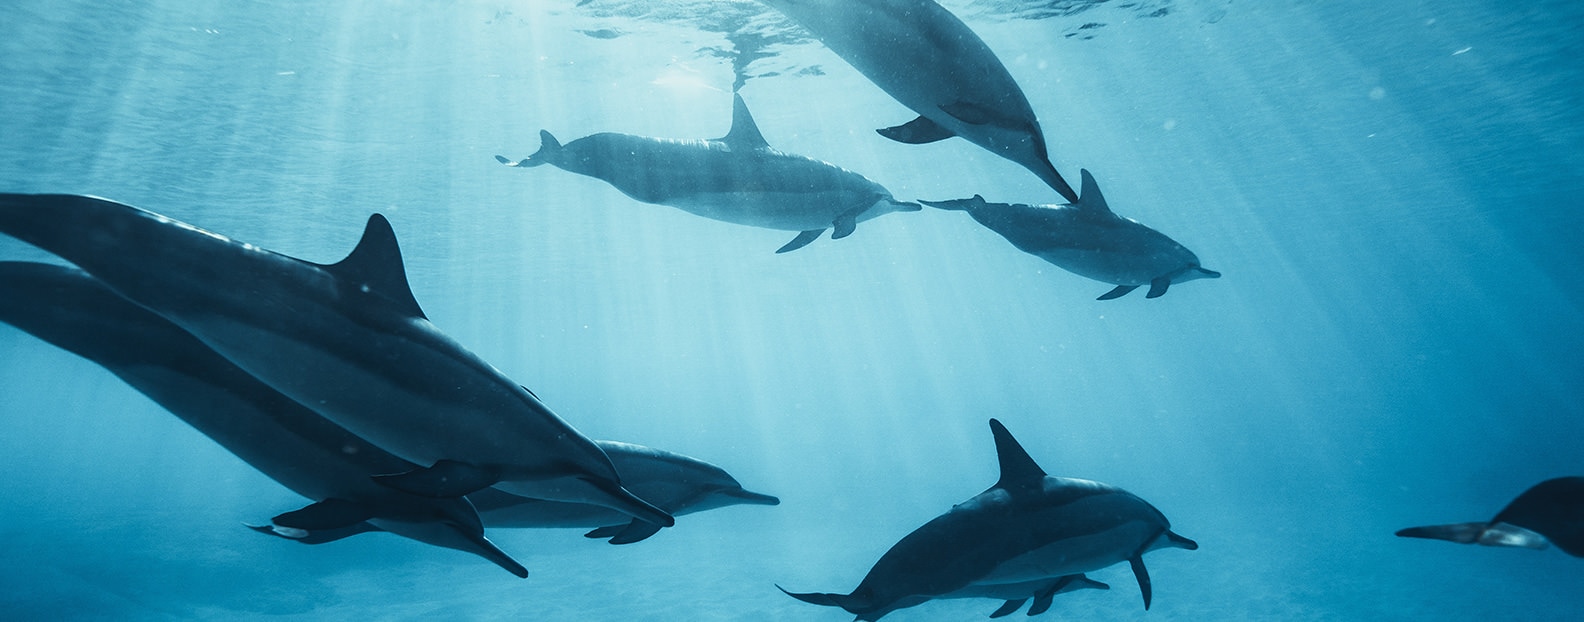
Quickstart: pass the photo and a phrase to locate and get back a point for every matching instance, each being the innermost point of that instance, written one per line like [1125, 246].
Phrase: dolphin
[279, 437]
[673, 482]
[347, 340]
[930, 61]
[737, 179]
[1028, 530]
[1086, 238]
[1551, 512]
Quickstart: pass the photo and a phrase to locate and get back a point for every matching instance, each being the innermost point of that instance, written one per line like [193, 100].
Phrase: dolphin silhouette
[673, 482]
[279, 437]
[1551, 512]
[1021, 537]
[1086, 238]
[348, 340]
[930, 61]
[737, 179]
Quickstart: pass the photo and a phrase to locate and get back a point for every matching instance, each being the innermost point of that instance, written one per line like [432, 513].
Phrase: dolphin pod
[737, 179]
[310, 455]
[930, 61]
[348, 339]
[1088, 239]
[1030, 535]
[1550, 512]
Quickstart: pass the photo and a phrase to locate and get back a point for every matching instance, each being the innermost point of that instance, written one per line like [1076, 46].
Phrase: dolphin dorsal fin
[744, 132]
[375, 266]
[1017, 468]
[1089, 197]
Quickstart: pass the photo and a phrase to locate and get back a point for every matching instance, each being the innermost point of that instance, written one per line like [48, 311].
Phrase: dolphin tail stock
[549, 150]
[961, 205]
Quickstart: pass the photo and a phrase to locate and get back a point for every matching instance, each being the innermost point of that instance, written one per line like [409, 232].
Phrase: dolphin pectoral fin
[324, 515]
[1142, 574]
[1042, 600]
[800, 241]
[1120, 291]
[917, 132]
[316, 536]
[447, 478]
[635, 531]
[1008, 608]
[846, 223]
[489, 551]
[1158, 287]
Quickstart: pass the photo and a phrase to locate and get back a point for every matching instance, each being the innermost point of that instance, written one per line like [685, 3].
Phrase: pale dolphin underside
[930, 61]
[348, 340]
[1028, 530]
[1088, 239]
[1551, 512]
[738, 179]
[279, 437]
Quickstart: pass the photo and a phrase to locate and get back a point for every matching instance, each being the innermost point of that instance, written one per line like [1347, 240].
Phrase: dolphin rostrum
[1552, 512]
[279, 437]
[738, 179]
[347, 340]
[1015, 541]
[931, 62]
[672, 482]
[1088, 239]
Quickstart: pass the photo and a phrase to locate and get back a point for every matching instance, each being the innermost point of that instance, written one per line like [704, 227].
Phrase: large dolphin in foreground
[279, 437]
[1029, 536]
[931, 62]
[1088, 239]
[1552, 512]
[737, 179]
[347, 340]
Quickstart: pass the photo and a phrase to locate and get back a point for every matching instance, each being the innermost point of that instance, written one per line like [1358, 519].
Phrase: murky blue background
[1391, 189]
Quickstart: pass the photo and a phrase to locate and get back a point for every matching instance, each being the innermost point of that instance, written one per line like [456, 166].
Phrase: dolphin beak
[1207, 274]
[752, 498]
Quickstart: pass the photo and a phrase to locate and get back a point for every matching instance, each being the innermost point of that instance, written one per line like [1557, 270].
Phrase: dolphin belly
[789, 211]
[1075, 555]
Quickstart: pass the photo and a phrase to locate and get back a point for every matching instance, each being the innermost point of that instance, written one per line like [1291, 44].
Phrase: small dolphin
[1087, 239]
[931, 62]
[1042, 591]
[1014, 541]
[1552, 512]
[279, 437]
[737, 179]
[673, 482]
[347, 340]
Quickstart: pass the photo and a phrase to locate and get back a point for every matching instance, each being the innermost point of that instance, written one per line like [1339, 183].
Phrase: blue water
[1391, 190]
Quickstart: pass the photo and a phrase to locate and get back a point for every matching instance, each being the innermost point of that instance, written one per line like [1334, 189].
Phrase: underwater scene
[791, 310]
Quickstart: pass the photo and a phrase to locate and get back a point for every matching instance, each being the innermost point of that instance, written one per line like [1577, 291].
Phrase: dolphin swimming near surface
[1551, 512]
[1086, 238]
[673, 482]
[347, 340]
[1015, 541]
[279, 437]
[930, 61]
[737, 179]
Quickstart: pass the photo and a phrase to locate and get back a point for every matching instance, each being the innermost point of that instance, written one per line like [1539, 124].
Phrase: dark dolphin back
[1553, 508]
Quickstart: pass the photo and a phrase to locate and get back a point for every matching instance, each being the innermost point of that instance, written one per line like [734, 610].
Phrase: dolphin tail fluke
[447, 478]
[549, 150]
[803, 239]
[635, 531]
[1009, 607]
[961, 205]
[916, 132]
[1120, 291]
